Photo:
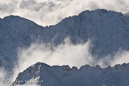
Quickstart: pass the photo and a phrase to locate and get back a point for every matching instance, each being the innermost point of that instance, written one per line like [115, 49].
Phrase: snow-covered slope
[46, 75]
[107, 30]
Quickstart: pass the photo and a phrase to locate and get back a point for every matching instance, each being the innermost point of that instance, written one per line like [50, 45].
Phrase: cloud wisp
[66, 54]
[63, 54]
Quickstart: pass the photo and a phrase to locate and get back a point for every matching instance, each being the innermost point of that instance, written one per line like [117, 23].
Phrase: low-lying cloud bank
[66, 54]
[50, 12]
[63, 54]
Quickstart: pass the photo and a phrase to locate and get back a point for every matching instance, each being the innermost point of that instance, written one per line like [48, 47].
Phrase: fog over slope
[43, 11]
[93, 37]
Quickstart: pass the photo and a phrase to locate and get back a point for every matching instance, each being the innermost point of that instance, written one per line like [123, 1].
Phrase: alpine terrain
[107, 30]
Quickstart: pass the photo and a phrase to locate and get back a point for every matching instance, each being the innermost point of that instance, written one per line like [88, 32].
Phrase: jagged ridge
[85, 76]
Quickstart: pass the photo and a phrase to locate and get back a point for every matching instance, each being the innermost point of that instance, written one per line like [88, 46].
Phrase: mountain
[107, 30]
[45, 75]
[15, 32]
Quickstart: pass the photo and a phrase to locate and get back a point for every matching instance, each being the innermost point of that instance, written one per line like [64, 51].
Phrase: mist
[2, 76]
[122, 56]
[50, 12]
[65, 54]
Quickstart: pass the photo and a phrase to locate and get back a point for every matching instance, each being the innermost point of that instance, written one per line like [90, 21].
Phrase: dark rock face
[66, 76]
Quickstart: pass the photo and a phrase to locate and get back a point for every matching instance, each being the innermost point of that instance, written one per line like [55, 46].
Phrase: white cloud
[66, 54]
[63, 54]
[120, 57]
[3, 78]
[49, 12]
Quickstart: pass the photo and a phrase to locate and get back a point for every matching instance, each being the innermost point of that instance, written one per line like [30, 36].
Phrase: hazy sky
[49, 12]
